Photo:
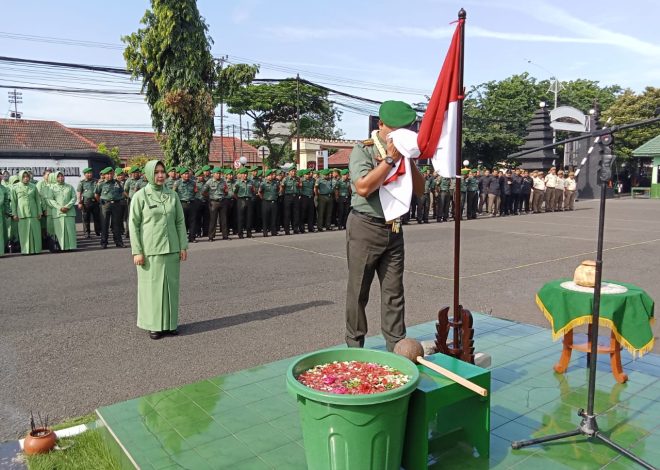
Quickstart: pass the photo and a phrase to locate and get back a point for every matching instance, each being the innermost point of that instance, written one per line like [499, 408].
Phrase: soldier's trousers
[569, 200]
[472, 203]
[91, 211]
[269, 217]
[537, 201]
[111, 215]
[291, 213]
[214, 212]
[443, 212]
[559, 199]
[372, 248]
[190, 210]
[325, 212]
[343, 206]
[203, 218]
[549, 199]
[255, 204]
[307, 213]
[524, 202]
[124, 216]
[483, 197]
[423, 208]
[243, 217]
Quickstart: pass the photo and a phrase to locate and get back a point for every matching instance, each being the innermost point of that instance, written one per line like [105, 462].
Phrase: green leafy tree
[276, 103]
[182, 81]
[631, 107]
[113, 153]
[581, 94]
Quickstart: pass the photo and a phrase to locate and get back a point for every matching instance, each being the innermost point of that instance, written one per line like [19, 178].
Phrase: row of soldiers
[496, 192]
[244, 201]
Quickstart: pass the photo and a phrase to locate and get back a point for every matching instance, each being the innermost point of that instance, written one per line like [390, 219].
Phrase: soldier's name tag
[153, 207]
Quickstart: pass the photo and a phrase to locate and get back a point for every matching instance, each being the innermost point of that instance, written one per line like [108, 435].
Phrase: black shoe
[87, 236]
[224, 238]
[104, 245]
[120, 245]
[249, 235]
[173, 332]
[155, 334]
[211, 239]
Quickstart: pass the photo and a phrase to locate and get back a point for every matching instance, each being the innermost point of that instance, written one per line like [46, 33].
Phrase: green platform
[247, 420]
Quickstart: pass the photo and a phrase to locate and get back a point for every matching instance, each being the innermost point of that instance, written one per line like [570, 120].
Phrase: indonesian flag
[437, 133]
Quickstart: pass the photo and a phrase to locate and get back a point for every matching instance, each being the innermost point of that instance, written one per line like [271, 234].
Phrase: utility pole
[297, 119]
[248, 129]
[240, 131]
[15, 97]
[222, 116]
[233, 135]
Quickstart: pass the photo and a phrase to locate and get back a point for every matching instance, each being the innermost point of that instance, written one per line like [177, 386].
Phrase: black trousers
[445, 199]
[516, 203]
[269, 217]
[243, 217]
[291, 213]
[472, 203]
[524, 202]
[423, 205]
[111, 215]
[214, 212]
[343, 208]
[190, 209]
[307, 213]
[91, 211]
[256, 213]
[202, 218]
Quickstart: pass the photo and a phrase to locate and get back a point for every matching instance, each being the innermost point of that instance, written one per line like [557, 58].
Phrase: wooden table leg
[562, 365]
[615, 360]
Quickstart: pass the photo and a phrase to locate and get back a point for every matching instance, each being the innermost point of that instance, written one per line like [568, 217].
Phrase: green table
[625, 309]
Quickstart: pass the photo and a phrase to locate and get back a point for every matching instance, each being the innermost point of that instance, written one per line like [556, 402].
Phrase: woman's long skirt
[158, 292]
[29, 234]
[64, 229]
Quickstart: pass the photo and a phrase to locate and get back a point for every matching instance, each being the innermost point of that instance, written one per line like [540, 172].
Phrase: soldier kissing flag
[438, 132]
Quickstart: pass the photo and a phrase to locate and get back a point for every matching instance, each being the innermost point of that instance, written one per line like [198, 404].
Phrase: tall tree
[172, 56]
[274, 109]
[628, 108]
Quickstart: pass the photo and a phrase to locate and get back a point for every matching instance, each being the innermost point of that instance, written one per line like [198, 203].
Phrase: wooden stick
[455, 377]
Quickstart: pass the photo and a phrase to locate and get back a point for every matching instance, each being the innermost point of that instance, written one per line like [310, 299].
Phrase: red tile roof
[25, 134]
[340, 158]
[130, 143]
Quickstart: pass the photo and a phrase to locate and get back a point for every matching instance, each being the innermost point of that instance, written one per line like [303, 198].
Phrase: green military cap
[171, 169]
[291, 168]
[254, 168]
[227, 171]
[465, 171]
[242, 171]
[119, 170]
[474, 170]
[344, 171]
[106, 170]
[87, 170]
[324, 172]
[183, 169]
[259, 172]
[199, 172]
[206, 168]
[134, 169]
[215, 170]
[396, 114]
[268, 172]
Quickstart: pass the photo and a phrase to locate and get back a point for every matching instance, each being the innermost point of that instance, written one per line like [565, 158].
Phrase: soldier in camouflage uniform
[87, 203]
[186, 188]
[109, 194]
[324, 193]
[289, 191]
[202, 205]
[255, 202]
[216, 188]
[243, 191]
[307, 201]
[343, 199]
[171, 177]
[472, 186]
[269, 190]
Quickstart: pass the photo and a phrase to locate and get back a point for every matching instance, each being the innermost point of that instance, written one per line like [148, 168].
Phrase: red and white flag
[437, 133]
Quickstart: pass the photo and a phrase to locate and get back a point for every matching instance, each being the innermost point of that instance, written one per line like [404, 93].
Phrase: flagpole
[457, 196]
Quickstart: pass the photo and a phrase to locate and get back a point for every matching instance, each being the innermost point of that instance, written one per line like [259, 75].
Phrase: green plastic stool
[448, 407]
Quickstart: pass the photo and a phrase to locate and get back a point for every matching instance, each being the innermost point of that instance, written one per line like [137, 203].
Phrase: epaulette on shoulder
[368, 142]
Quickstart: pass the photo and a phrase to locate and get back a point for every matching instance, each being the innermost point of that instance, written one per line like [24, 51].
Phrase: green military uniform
[472, 187]
[307, 208]
[202, 205]
[186, 190]
[343, 200]
[325, 194]
[290, 191]
[110, 193]
[62, 204]
[243, 191]
[424, 201]
[269, 191]
[216, 188]
[374, 245]
[26, 205]
[88, 205]
[159, 234]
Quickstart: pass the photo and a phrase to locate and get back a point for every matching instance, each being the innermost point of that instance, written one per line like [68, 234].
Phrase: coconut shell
[410, 348]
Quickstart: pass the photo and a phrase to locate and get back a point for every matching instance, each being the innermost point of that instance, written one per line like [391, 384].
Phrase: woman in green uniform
[12, 229]
[61, 202]
[158, 243]
[26, 210]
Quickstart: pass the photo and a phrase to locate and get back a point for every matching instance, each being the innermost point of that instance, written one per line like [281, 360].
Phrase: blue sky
[383, 50]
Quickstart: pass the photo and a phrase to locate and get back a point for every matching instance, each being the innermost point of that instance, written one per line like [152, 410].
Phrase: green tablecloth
[629, 315]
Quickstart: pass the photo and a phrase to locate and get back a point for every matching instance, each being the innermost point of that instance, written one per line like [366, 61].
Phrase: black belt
[186, 202]
[370, 218]
[308, 197]
[103, 201]
[245, 197]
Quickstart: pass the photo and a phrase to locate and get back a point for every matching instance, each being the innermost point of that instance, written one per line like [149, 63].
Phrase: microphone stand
[588, 425]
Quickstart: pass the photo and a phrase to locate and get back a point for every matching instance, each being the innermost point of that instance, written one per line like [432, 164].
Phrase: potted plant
[41, 439]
